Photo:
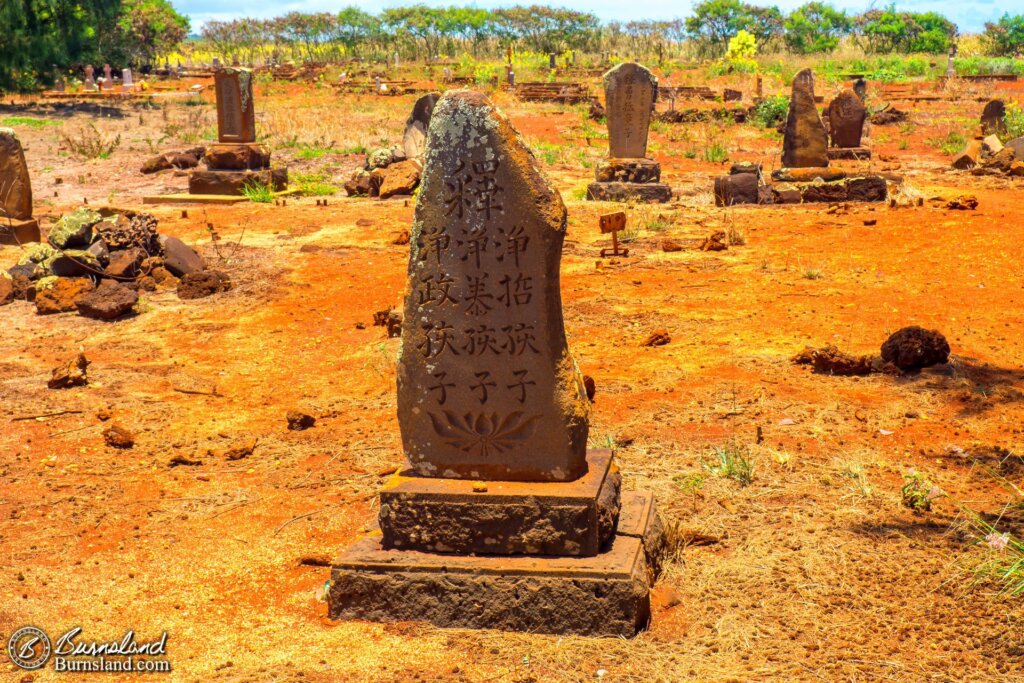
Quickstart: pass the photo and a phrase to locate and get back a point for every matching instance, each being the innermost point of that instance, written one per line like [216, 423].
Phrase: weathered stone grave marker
[630, 90]
[846, 117]
[612, 223]
[16, 223]
[127, 84]
[415, 137]
[502, 519]
[805, 143]
[993, 118]
[237, 160]
[90, 80]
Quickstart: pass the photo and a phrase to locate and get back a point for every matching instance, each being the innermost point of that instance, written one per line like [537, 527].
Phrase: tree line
[419, 32]
[45, 37]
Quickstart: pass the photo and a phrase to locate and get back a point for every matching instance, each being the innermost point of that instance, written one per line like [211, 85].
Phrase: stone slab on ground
[19, 232]
[624, 192]
[503, 517]
[853, 153]
[232, 182]
[605, 595]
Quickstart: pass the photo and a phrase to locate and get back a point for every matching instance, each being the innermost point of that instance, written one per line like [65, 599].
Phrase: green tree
[144, 30]
[714, 22]
[1006, 36]
[886, 30]
[38, 34]
[816, 27]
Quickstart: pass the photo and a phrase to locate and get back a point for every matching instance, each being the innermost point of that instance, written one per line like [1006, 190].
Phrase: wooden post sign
[612, 223]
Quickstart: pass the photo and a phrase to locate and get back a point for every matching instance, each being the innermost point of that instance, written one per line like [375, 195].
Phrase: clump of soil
[830, 360]
[657, 338]
[913, 348]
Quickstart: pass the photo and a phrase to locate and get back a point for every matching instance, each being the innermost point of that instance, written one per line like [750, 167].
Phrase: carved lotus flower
[483, 434]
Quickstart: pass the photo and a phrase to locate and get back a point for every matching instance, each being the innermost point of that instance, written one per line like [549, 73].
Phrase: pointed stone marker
[502, 520]
[487, 388]
[629, 93]
[806, 141]
[15, 184]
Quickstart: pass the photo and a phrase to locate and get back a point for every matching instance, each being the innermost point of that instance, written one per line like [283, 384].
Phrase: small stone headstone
[236, 118]
[15, 183]
[993, 117]
[487, 388]
[415, 137]
[846, 115]
[107, 73]
[90, 78]
[806, 142]
[126, 79]
[552, 61]
[629, 90]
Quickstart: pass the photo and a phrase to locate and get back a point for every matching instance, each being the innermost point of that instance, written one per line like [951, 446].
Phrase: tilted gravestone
[16, 222]
[500, 496]
[993, 118]
[415, 137]
[236, 117]
[630, 90]
[806, 142]
[846, 116]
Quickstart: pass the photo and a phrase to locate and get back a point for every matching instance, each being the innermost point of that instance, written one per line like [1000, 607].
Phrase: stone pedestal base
[19, 232]
[628, 171]
[605, 595]
[854, 153]
[623, 192]
[243, 156]
[574, 518]
[232, 182]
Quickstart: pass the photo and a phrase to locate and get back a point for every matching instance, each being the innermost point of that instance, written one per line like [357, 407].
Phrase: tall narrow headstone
[90, 82]
[16, 222]
[126, 80]
[108, 78]
[806, 142]
[502, 518]
[236, 118]
[950, 63]
[629, 90]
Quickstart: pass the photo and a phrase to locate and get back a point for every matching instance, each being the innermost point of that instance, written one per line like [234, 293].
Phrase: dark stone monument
[415, 137]
[806, 142]
[16, 223]
[846, 117]
[630, 90]
[237, 160]
[502, 518]
[993, 118]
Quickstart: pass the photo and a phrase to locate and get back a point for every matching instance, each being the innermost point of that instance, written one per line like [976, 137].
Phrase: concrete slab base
[651, 193]
[19, 232]
[574, 518]
[605, 595]
[628, 171]
[232, 182]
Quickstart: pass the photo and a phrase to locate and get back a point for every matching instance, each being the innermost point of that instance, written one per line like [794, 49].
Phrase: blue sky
[969, 15]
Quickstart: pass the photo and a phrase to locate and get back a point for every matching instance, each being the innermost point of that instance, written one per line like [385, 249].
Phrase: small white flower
[997, 542]
[601, 673]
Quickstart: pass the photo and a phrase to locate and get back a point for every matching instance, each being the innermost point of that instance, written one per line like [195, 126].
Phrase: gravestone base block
[650, 193]
[628, 171]
[605, 595]
[19, 232]
[574, 518]
[233, 182]
[242, 156]
[854, 153]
